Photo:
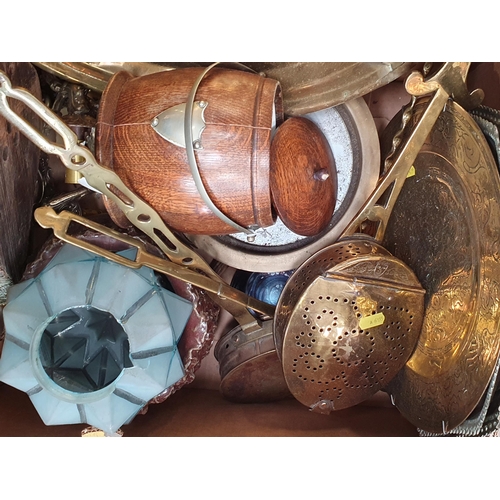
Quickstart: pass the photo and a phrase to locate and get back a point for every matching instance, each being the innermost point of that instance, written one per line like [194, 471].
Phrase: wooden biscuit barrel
[241, 109]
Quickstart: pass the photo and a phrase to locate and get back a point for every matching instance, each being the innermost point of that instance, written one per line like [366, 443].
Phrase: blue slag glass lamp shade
[91, 341]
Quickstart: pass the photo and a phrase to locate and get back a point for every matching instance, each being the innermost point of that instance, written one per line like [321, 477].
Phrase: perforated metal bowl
[346, 323]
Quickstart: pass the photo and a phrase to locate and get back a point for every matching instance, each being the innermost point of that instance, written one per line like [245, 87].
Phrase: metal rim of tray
[446, 227]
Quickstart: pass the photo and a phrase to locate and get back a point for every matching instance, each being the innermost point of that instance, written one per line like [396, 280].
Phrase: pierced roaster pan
[446, 226]
[346, 323]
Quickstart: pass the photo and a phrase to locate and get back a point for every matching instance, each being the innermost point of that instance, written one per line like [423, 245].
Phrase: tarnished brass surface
[249, 367]
[335, 297]
[446, 227]
[307, 86]
[95, 75]
[311, 86]
[347, 324]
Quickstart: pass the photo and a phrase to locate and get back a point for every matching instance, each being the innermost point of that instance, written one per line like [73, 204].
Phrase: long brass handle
[104, 180]
[397, 173]
[59, 223]
[448, 81]
[107, 182]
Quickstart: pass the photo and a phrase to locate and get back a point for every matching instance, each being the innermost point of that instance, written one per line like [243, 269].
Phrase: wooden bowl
[303, 178]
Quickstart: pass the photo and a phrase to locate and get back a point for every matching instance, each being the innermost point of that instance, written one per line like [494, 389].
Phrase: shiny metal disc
[446, 227]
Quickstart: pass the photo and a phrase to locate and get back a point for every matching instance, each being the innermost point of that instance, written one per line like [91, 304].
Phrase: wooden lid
[303, 177]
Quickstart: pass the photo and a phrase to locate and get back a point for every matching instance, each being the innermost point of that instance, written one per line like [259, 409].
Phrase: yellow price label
[371, 321]
[94, 434]
[411, 172]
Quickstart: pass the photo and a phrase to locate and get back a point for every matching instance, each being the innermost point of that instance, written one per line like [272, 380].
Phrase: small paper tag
[411, 172]
[94, 434]
[371, 321]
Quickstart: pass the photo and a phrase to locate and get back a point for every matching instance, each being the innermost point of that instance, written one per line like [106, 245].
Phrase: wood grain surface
[234, 161]
[19, 161]
[303, 177]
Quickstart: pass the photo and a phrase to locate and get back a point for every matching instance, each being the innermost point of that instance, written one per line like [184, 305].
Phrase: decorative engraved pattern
[453, 248]
[385, 268]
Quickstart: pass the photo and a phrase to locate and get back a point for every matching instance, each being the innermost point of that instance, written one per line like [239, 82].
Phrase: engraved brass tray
[446, 227]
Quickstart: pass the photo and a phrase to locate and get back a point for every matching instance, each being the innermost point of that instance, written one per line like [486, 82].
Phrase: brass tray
[311, 86]
[307, 86]
[446, 227]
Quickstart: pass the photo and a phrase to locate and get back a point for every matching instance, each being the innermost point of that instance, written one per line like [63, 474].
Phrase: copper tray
[446, 227]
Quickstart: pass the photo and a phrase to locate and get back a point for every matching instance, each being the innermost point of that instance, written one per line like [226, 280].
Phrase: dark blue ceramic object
[267, 287]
